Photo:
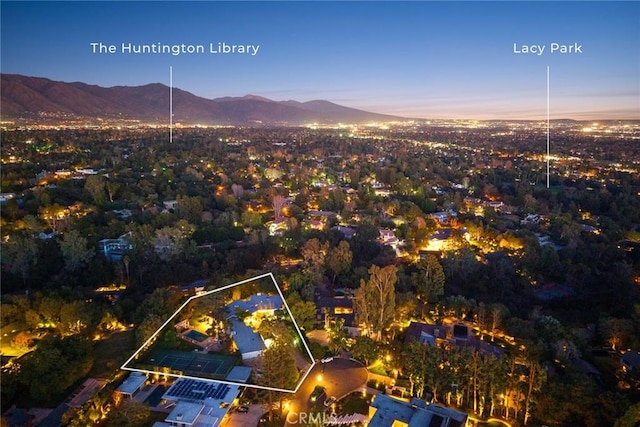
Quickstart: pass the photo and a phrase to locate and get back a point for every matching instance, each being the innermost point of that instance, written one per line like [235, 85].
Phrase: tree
[55, 365]
[630, 418]
[498, 312]
[112, 188]
[189, 208]
[364, 244]
[32, 223]
[366, 349]
[20, 255]
[303, 311]
[375, 299]
[172, 242]
[278, 371]
[147, 328]
[616, 331]
[11, 209]
[339, 260]
[279, 202]
[405, 306]
[537, 376]
[74, 250]
[314, 253]
[416, 361]
[129, 414]
[126, 261]
[337, 335]
[75, 317]
[429, 280]
[53, 215]
[95, 186]
[280, 331]
[237, 190]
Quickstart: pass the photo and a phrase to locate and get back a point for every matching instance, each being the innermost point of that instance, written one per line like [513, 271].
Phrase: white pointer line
[171, 104]
[548, 128]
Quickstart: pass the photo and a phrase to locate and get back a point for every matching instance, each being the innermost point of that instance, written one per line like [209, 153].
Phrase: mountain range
[25, 96]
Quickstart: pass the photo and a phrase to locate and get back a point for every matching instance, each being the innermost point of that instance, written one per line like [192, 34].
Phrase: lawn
[7, 333]
[111, 353]
[377, 368]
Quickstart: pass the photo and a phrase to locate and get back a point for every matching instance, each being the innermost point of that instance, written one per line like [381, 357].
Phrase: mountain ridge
[22, 95]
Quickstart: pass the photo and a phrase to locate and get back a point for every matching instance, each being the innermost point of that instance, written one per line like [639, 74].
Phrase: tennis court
[195, 364]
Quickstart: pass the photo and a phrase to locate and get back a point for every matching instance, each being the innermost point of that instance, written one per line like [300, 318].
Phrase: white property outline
[204, 294]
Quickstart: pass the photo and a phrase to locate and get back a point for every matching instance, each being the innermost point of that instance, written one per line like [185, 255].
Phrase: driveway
[339, 377]
[246, 419]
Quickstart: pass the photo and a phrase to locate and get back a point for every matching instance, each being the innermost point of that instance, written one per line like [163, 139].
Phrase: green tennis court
[194, 364]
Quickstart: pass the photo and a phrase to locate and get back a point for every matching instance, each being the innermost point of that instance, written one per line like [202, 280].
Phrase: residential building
[347, 232]
[337, 308]
[631, 361]
[250, 343]
[450, 335]
[198, 403]
[114, 249]
[386, 411]
[278, 227]
[5, 197]
[132, 384]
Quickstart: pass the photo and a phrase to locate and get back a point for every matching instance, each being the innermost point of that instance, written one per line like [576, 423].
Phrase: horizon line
[401, 118]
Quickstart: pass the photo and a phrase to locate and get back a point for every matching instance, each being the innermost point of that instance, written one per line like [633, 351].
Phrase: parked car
[330, 401]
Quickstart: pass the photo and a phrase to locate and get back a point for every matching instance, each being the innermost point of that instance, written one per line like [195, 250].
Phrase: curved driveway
[338, 377]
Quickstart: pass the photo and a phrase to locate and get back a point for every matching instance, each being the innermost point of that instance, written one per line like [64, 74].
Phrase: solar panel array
[190, 389]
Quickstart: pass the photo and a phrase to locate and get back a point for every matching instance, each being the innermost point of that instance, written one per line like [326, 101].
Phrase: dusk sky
[414, 59]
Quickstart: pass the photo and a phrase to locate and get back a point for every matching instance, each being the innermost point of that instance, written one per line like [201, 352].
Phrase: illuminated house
[257, 303]
[388, 237]
[443, 217]
[385, 411]
[198, 403]
[451, 335]
[250, 343]
[132, 384]
[278, 227]
[114, 249]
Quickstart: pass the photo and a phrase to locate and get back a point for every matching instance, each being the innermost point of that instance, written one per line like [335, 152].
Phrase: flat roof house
[387, 411]
[132, 384]
[198, 403]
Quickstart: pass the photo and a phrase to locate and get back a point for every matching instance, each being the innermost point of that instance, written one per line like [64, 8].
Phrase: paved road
[339, 377]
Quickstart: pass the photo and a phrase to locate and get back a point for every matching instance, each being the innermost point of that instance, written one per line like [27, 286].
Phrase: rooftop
[245, 338]
[631, 359]
[195, 391]
[134, 381]
[185, 413]
[457, 335]
[256, 302]
[239, 374]
[200, 403]
[416, 413]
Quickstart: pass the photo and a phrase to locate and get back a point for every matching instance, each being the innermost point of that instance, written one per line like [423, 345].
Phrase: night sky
[415, 59]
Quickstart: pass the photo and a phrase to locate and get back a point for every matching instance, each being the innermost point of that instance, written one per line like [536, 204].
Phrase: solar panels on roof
[190, 389]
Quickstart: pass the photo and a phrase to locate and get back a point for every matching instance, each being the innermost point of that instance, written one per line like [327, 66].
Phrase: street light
[319, 378]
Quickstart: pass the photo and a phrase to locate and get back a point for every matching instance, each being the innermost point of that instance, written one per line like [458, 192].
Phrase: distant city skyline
[412, 59]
